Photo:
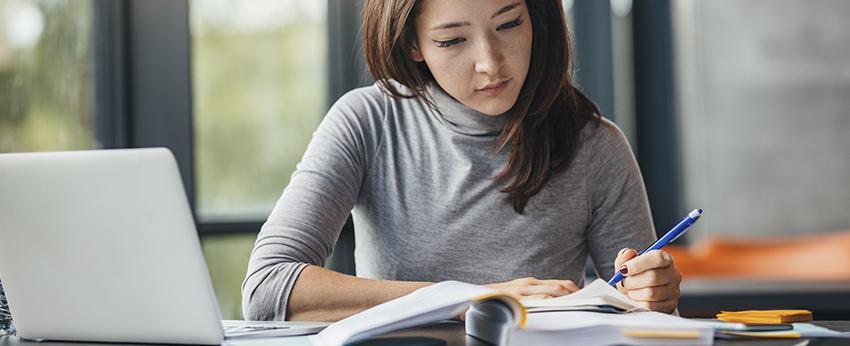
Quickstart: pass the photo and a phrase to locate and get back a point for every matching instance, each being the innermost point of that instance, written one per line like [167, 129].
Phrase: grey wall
[764, 102]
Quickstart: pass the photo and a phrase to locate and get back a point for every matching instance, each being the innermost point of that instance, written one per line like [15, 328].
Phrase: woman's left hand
[652, 279]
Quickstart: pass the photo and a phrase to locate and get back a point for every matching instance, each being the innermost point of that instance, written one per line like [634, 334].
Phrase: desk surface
[452, 332]
[829, 300]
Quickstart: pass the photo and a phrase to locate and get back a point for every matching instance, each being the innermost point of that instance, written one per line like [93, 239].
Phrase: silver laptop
[101, 246]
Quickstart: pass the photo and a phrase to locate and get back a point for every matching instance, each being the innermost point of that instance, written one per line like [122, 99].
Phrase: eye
[449, 43]
[512, 24]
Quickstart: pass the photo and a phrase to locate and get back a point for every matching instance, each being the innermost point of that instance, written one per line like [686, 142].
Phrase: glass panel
[227, 260]
[46, 85]
[259, 74]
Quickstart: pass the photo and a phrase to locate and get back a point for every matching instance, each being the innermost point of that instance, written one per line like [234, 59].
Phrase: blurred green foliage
[260, 92]
[227, 260]
[259, 84]
[46, 89]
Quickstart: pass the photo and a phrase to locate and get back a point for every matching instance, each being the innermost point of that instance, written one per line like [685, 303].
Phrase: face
[478, 50]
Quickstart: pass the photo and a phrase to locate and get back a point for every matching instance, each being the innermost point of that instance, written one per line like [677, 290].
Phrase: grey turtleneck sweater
[425, 208]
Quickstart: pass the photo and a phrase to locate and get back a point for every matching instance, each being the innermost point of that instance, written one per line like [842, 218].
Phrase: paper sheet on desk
[598, 293]
[801, 330]
[589, 328]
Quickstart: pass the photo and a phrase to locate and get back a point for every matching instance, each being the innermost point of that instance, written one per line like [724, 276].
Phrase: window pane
[227, 260]
[45, 75]
[259, 74]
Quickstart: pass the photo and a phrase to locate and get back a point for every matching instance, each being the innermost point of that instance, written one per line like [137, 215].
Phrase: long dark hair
[543, 127]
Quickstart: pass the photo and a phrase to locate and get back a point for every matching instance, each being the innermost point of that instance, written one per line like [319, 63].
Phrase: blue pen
[668, 238]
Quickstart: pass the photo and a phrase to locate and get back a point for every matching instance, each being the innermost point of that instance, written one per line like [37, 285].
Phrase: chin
[496, 108]
[494, 112]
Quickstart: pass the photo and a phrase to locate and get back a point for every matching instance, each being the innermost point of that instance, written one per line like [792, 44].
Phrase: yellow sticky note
[765, 316]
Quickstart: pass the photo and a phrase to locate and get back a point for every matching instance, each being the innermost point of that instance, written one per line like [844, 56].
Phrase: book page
[590, 328]
[437, 302]
[637, 320]
[597, 293]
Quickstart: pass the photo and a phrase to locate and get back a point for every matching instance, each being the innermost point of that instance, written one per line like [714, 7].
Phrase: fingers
[536, 288]
[658, 298]
[623, 256]
[651, 260]
[533, 288]
[566, 284]
[653, 278]
[550, 288]
[655, 294]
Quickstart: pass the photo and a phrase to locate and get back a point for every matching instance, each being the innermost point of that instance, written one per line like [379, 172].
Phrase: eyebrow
[501, 11]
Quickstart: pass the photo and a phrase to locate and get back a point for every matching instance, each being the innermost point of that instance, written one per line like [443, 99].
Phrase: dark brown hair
[543, 127]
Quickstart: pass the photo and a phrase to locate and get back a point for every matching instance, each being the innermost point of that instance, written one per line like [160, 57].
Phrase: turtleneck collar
[461, 118]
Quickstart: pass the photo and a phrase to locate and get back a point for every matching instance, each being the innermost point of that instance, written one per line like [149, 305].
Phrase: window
[259, 73]
[46, 85]
[259, 81]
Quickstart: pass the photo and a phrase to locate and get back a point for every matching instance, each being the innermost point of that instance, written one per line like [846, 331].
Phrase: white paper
[437, 302]
[592, 328]
[597, 293]
[640, 320]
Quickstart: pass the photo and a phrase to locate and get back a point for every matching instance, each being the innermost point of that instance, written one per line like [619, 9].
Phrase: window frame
[655, 120]
[143, 80]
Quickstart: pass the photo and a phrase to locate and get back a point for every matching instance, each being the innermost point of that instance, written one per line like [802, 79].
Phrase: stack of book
[771, 324]
[765, 316]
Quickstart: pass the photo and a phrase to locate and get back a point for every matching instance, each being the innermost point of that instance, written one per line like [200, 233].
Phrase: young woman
[474, 158]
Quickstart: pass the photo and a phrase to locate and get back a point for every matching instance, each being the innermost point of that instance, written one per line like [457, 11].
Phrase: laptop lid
[101, 246]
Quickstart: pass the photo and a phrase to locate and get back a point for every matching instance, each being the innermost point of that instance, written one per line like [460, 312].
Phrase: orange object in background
[815, 257]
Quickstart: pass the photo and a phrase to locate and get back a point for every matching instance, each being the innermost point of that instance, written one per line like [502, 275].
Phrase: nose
[489, 58]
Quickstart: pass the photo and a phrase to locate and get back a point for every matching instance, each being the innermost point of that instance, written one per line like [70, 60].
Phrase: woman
[473, 158]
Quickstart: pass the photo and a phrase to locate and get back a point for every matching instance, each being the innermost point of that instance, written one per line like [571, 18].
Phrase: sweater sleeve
[307, 219]
[617, 202]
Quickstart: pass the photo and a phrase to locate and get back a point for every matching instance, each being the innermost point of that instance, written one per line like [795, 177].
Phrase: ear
[416, 54]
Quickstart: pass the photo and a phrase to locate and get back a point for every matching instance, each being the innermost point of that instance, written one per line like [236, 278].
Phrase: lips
[493, 86]
[494, 89]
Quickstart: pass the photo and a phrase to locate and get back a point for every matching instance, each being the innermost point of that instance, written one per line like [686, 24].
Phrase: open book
[598, 296]
[441, 301]
[503, 320]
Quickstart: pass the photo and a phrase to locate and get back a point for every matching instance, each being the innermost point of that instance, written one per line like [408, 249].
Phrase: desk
[453, 333]
[828, 300]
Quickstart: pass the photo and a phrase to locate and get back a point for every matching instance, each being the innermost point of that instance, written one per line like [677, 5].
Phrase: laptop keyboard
[258, 329]
[244, 329]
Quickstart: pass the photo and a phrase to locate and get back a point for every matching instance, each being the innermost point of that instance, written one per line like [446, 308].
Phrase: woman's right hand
[533, 288]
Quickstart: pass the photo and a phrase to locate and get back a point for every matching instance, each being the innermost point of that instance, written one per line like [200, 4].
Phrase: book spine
[490, 321]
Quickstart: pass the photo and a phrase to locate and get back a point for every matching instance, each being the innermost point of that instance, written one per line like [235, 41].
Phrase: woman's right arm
[324, 295]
